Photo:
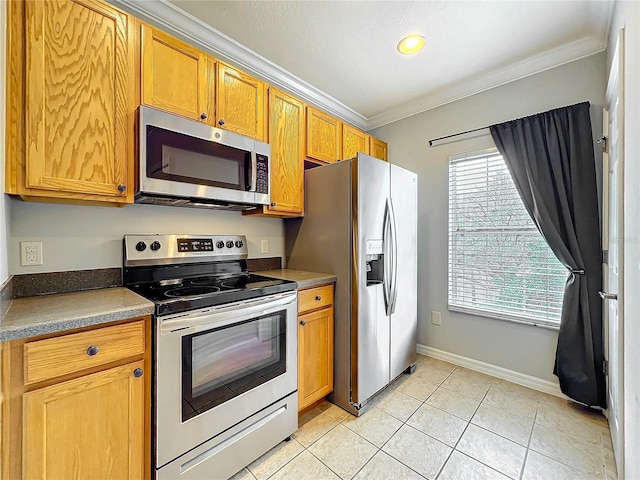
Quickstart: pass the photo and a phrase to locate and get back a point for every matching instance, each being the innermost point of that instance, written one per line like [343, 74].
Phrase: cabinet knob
[122, 188]
[221, 121]
[203, 116]
[303, 323]
[273, 204]
[318, 297]
[92, 350]
[138, 372]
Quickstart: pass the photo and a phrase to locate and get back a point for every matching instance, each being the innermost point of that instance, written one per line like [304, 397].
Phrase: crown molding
[181, 24]
[581, 48]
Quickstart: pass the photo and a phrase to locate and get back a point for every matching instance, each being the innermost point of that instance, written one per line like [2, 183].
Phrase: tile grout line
[460, 438]
[526, 453]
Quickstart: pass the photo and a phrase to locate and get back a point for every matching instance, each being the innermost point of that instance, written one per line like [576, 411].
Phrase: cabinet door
[89, 427]
[77, 99]
[323, 136]
[353, 141]
[286, 137]
[176, 76]
[240, 103]
[315, 356]
[378, 149]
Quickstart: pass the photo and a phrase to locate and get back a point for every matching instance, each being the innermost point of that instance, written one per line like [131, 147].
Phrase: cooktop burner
[186, 272]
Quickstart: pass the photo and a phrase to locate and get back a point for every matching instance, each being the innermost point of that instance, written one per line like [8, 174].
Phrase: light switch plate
[436, 319]
[264, 246]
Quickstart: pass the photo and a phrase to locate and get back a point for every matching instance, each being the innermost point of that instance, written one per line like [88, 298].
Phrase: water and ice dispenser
[374, 258]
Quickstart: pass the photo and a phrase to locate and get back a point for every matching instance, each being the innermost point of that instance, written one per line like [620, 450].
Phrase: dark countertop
[32, 316]
[302, 278]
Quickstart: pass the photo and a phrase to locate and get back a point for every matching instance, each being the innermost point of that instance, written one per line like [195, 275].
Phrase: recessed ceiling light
[411, 44]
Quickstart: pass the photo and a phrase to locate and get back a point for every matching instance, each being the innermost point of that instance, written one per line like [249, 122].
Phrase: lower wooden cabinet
[89, 420]
[88, 427]
[315, 344]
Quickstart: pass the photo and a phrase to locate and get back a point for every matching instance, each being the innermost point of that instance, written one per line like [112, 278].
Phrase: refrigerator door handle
[394, 260]
[386, 240]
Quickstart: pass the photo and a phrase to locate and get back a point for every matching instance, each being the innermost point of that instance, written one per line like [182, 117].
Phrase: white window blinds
[499, 264]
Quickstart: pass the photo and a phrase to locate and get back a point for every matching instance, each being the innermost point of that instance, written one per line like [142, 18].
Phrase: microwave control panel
[262, 175]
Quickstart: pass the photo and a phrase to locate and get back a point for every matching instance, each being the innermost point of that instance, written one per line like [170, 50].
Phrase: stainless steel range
[225, 353]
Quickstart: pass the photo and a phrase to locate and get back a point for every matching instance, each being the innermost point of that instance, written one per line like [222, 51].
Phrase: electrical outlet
[30, 253]
[435, 318]
[264, 246]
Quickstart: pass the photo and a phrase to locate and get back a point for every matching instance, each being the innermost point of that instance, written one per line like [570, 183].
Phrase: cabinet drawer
[315, 298]
[66, 354]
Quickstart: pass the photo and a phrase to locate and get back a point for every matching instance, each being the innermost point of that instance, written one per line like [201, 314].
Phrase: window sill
[505, 317]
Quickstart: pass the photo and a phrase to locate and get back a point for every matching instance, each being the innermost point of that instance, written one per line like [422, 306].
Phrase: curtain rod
[488, 126]
[455, 135]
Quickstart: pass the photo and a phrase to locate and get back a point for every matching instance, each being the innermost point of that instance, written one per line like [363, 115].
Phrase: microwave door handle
[254, 171]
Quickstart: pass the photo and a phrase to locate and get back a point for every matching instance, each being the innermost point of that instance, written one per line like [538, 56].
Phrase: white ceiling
[347, 49]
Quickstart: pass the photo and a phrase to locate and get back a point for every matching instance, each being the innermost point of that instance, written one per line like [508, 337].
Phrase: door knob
[608, 296]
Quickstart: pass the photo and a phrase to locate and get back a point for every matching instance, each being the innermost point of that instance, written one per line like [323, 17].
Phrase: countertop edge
[302, 278]
[67, 324]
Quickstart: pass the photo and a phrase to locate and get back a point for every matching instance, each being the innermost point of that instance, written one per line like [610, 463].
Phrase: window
[499, 264]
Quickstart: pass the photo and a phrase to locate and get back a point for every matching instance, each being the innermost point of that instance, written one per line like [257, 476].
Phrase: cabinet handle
[92, 350]
[122, 188]
[138, 372]
[203, 116]
[318, 297]
[303, 323]
[273, 204]
[221, 121]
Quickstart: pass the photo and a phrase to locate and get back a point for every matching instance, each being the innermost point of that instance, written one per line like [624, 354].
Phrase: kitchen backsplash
[77, 237]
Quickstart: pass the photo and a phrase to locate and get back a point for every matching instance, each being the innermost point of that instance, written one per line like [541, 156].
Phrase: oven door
[220, 365]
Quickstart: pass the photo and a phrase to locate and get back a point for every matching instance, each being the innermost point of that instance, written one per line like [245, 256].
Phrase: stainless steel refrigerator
[360, 224]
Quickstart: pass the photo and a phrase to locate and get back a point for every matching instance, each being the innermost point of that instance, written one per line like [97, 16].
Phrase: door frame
[615, 393]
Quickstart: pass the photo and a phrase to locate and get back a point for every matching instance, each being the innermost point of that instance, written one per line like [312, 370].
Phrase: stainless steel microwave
[184, 162]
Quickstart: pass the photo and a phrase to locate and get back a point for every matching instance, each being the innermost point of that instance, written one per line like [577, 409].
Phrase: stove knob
[141, 246]
[229, 244]
[220, 244]
[239, 243]
[155, 246]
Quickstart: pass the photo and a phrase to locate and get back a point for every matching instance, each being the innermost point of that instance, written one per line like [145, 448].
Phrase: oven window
[178, 157]
[220, 364]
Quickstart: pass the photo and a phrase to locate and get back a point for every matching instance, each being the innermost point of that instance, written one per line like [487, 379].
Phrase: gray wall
[523, 348]
[627, 15]
[77, 237]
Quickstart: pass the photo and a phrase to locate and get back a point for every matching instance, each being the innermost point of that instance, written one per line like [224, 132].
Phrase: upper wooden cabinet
[286, 137]
[241, 103]
[323, 136]
[353, 141]
[378, 149]
[70, 129]
[176, 76]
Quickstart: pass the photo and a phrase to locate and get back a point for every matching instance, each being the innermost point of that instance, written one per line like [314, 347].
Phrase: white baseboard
[523, 379]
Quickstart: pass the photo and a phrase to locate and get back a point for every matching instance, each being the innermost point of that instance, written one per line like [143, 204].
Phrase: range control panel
[155, 249]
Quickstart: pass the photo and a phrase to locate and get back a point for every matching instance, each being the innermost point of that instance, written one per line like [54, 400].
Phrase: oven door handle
[227, 314]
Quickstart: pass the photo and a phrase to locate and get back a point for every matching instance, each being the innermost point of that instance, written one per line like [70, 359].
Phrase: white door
[613, 231]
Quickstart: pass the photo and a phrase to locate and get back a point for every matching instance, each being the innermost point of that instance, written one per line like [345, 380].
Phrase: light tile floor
[447, 423]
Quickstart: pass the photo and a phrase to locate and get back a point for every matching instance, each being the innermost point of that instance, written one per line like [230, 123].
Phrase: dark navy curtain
[550, 157]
